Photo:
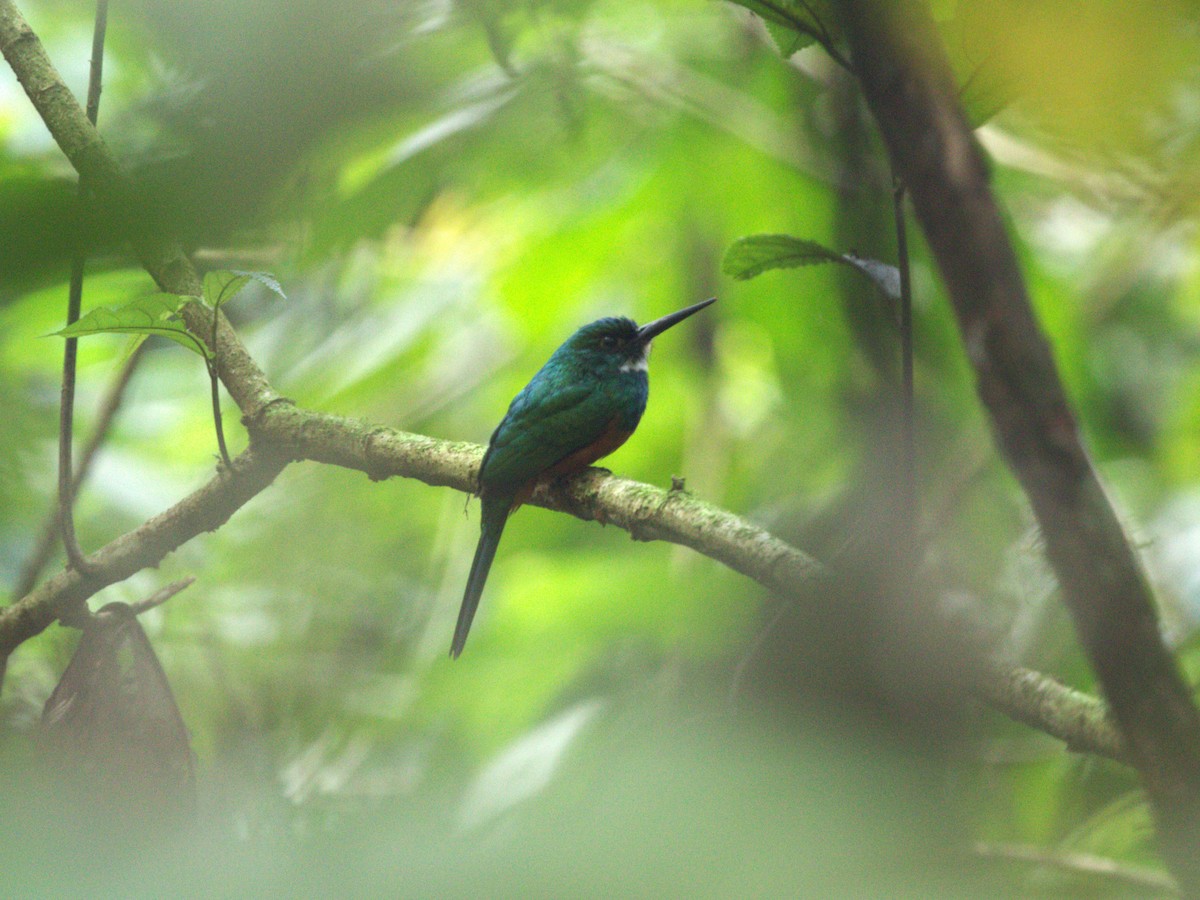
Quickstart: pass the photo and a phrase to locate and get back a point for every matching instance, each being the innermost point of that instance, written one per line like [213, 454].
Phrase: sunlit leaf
[155, 314]
[802, 16]
[788, 40]
[221, 286]
[750, 256]
[984, 93]
[794, 24]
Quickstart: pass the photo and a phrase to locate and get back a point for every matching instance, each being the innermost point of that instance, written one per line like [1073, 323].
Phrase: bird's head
[619, 343]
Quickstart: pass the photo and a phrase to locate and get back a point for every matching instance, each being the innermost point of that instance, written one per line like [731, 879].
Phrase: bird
[581, 405]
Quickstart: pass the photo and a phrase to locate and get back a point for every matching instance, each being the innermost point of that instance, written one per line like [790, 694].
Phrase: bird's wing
[543, 426]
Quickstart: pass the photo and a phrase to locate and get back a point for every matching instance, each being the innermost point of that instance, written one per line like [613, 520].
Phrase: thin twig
[96, 75]
[66, 416]
[908, 451]
[752, 651]
[44, 548]
[162, 595]
[66, 482]
[1086, 864]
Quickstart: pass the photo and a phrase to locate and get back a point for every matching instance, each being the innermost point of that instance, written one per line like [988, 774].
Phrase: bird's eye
[608, 342]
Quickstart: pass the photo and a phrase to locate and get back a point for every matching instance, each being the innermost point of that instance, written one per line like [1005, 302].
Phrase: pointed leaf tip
[222, 285]
[266, 279]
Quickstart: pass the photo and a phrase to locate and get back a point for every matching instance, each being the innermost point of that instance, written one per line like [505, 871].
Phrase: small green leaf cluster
[158, 314]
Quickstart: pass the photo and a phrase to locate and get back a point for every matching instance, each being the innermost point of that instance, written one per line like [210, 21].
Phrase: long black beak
[650, 330]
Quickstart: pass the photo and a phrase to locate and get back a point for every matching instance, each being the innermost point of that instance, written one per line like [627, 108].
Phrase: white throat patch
[637, 365]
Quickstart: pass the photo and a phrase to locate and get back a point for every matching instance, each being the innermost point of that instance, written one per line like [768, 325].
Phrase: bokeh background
[445, 191]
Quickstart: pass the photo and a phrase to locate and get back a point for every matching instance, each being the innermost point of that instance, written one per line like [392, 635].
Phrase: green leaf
[788, 40]
[136, 341]
[794, 24]
[984, 88]
[794, 14]
[154, 314]
[750, 256]
[943, 10]
[222, 285]
[984, 93]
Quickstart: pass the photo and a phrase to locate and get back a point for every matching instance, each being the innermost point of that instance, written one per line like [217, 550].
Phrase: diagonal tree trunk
[897, 53]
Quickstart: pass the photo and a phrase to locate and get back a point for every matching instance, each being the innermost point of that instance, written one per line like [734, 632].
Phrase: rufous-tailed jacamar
[582, 405]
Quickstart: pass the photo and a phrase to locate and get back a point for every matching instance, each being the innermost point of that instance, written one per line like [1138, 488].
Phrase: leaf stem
[216, 406]
[210, 360]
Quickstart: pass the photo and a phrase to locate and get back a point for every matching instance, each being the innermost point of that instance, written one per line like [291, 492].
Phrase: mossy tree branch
[204, 510]
[1079, 720]
[281, 432]
[649, 513]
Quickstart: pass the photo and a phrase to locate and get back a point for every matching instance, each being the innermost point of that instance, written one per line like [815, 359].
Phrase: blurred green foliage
[445, 192]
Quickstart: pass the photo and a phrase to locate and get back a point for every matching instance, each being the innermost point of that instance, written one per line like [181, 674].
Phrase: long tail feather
[494, 517]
